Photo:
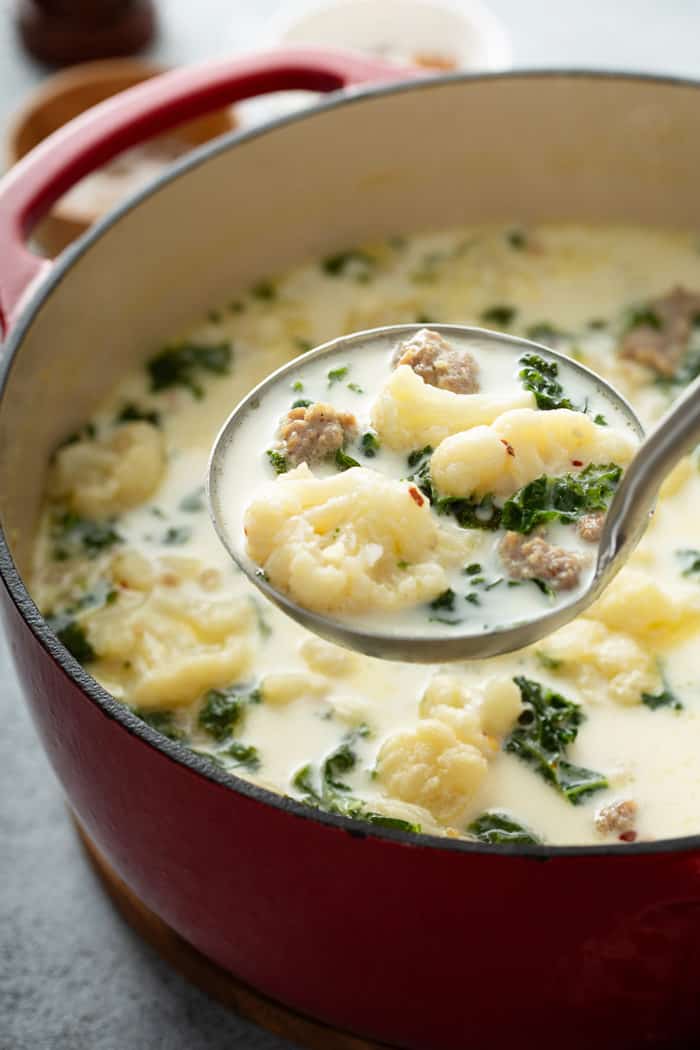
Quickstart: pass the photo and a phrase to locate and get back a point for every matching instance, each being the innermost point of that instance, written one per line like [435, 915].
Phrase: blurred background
[72, 976]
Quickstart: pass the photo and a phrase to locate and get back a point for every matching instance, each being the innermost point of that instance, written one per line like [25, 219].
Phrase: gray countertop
[72, 975]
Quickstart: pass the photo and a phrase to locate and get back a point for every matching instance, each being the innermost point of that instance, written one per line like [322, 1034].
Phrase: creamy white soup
[591, 736]
[431, 485]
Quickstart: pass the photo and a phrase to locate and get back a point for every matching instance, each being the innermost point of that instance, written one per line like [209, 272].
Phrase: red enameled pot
[417, 941]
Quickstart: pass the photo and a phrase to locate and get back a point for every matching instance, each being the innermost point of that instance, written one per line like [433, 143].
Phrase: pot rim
[119, 712]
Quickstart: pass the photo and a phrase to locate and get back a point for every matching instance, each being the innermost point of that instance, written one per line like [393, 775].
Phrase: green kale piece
[265, 291]
[600, 420]
[370, 445]
[500, 314]
[544, 332]
[468, 513]
[73, 536]
[337, 374]
[182, 363]
[418, 457]
[245, 756]
[176, 535]
[302, 402]
[343, 461]
[88, 432]
[165, 722]
[356, 388]
[547, 725]
[222, 710]
[193, 501]
[354, 261]
[445, 601]
[517, 239]
[73, 636]
[278, 461]
[495, 828]
[324, 789]
[564, 498]
[666, 698]
[690, 559]
[133, 413]
[540, 377]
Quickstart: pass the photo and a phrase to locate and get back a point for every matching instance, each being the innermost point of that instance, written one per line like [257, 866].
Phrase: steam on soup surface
[592, 736]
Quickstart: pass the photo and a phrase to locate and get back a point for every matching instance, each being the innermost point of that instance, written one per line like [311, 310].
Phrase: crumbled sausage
[438, 363]
[590, 526]
[618, 817]
[660, 341]
[532, 558]
[308, 435]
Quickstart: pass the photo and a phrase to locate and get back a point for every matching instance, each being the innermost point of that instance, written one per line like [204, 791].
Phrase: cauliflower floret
[280, 689]
[171, 644]
[350, 543]
[500, 706]
[409, 413]
[603, 662]
[634, 603]
[101, 477]
[430, 767]
[520, 446]
[326, 658]
[490, 709]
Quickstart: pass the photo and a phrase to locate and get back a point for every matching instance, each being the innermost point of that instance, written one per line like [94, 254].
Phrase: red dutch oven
[416, 941]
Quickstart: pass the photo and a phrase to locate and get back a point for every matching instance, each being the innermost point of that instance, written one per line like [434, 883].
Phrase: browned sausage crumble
[661, 338]
[438, 363]
[309, 435]
[532, 558]
[618, 817]
[590, 526]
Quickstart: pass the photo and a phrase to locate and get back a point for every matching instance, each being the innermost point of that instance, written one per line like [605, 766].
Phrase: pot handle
[33, 185]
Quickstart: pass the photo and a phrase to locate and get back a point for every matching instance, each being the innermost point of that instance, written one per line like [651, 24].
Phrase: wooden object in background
[66, 95]
[62, 32]
[217, 983]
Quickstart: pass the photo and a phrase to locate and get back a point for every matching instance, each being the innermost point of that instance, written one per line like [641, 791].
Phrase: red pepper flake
[416, 496]
[509, 448]
[628, 836]
[576, 462]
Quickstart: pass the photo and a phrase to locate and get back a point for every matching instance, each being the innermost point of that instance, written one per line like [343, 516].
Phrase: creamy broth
[139, 588]
[470, 588]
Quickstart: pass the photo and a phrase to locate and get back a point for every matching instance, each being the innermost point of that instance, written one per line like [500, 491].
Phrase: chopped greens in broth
[592, 736]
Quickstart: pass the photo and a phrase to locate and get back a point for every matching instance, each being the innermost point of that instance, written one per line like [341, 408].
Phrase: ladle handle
[676, 434]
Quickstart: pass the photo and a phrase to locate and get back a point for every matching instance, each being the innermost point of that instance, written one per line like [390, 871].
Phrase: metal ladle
[627, 517]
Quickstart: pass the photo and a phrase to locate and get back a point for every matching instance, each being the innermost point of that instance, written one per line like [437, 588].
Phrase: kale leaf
[343, 461]
[666, 698]
[74, 536]
[222, 710]
[193, 501]
[323, 789]
[540, 377]
[354, 261]
[133, 413]
[495, 828]
[278, 461]
[690, 557]
[181, 364]
[370, 445]
[500, 314]
[563, 498]
[245, 756]
[547, 725]
[72, 635]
